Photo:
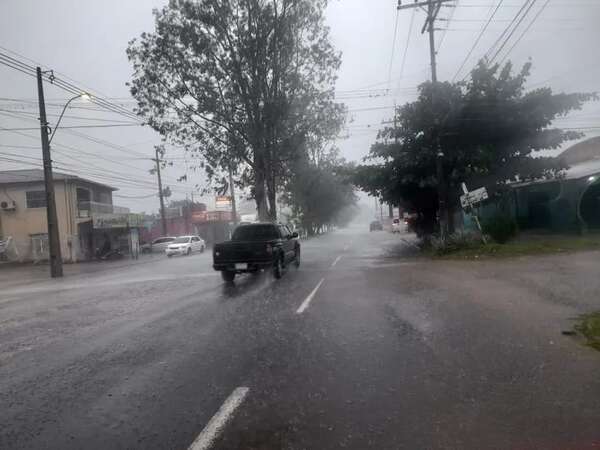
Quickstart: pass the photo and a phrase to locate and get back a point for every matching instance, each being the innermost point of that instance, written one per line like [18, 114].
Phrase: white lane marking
[308, 299]
[336, 261]
[216, 424]
[346, 247]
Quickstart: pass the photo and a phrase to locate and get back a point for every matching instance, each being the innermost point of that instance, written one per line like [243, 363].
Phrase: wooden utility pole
[433, 8]
[163, 218]
[56, 269]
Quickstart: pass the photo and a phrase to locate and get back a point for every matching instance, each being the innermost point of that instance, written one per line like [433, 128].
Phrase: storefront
[106, 231]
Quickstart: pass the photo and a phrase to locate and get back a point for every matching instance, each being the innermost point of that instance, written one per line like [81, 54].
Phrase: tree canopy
[320, 194]
[244, 85]
[489, 130]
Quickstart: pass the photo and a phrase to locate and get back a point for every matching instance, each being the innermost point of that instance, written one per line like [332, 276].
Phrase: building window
[36, 199]
[83, 202]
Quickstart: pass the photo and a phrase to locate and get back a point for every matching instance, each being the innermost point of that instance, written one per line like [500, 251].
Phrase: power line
[393, 49]
[508, 31]
[65, 116]
[513, 30]
[77, 126]
[410, 28]
[482, 32]
[526, 30]
[62, 84]
[448, 20]
[511, 23]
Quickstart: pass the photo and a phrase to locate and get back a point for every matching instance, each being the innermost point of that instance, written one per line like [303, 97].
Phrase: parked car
[158, 245]
[257, 246]
[397, 226]
[376, 225]
[185, 245]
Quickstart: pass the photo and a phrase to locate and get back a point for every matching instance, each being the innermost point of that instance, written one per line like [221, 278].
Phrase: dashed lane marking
[216, 424]
[308, 299]
[336, 261]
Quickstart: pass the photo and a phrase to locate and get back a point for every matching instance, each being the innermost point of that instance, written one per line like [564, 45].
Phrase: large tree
[244, 85]
[488, 129]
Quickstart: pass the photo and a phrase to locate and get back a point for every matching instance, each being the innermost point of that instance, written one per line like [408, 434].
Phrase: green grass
[538, 245]
[588, 325]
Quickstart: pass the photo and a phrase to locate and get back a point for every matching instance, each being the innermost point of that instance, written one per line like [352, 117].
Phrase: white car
[397, 226]
[185, 245]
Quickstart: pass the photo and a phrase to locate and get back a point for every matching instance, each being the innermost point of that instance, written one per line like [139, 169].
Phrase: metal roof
[37, 175]
[583, 169]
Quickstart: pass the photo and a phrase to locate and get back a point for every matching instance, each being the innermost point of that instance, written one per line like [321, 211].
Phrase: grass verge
[588, 325]
[526, 246]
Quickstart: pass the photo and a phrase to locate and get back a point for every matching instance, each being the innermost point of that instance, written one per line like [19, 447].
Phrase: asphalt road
[362, 347]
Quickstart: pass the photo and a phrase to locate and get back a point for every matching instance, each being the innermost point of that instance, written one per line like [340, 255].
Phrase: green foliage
[455, 242]
[588, 325]
[528, 246]
[240, 84]
[488, 130]
[500, 228]
[320, 195]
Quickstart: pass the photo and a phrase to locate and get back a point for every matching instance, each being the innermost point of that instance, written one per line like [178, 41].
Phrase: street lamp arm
[63, 112]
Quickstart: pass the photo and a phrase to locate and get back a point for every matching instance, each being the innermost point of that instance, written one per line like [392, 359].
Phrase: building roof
[37, 175]
[583, 169]
[581, 152]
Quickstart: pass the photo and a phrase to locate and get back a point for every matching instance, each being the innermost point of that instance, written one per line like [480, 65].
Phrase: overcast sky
[86, 40]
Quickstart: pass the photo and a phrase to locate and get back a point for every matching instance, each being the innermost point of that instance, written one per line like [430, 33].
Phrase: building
[568, 203]
[86, 216]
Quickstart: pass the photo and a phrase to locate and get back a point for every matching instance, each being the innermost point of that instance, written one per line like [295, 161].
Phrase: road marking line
[336, 261]
[346, 247]
[308, 299]
[216, 424]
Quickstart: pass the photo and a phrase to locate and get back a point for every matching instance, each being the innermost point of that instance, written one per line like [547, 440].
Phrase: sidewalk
[18, 274]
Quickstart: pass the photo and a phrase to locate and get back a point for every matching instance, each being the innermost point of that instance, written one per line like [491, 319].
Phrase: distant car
[397, 226]
[376, 226]
[158, 245]
[185, 245]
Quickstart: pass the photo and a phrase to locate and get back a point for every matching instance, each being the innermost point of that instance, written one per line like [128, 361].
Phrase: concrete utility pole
[433, 8]
[56, 268]
[163, 219]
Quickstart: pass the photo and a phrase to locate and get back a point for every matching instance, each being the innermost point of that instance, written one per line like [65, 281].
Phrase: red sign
[211, 216]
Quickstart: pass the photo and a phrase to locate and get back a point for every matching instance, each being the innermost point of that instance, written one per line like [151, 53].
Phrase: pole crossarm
[421, 3]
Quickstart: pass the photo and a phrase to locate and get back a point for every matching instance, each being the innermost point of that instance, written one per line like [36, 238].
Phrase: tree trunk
[272, 196]
[259, 189]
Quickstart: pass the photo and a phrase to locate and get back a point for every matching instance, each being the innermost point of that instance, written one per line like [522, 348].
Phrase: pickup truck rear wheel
[228, 276]
[278, 268]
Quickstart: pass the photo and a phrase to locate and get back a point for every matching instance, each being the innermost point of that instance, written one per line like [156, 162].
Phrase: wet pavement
[364, 346]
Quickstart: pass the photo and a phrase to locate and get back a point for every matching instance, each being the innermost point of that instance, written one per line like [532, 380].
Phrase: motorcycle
[109, 255]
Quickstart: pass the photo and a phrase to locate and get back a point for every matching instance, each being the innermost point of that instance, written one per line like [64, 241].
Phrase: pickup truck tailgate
[241, 251]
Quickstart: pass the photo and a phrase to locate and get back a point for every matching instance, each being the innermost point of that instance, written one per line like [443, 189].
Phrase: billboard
[223, 202]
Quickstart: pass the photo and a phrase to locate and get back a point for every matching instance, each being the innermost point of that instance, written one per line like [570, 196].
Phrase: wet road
[360, 348]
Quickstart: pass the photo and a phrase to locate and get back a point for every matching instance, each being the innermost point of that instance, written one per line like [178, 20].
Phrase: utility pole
[433, 8]
[163, 219]
[56, 269]
[232, 194]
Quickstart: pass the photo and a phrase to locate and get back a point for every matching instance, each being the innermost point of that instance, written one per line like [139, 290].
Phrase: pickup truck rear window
[255, 233]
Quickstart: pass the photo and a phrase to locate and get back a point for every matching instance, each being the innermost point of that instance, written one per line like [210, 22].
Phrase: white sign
[223, 202]
[473, 197]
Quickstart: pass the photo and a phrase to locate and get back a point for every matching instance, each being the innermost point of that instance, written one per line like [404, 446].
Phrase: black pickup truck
[257, 246]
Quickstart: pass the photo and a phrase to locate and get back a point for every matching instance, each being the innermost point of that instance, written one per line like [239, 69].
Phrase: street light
[83, 96]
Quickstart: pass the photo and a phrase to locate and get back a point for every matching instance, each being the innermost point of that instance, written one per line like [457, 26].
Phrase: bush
[501, 228]
[455, 242]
